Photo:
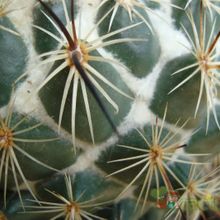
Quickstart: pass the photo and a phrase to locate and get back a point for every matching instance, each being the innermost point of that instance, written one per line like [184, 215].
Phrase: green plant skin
[11, 46]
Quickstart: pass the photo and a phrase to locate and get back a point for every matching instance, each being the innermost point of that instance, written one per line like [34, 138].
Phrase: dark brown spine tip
[183, 146]
[73, 22]
[93, 91]
[182, 213]
[212, 47]
[62, 27]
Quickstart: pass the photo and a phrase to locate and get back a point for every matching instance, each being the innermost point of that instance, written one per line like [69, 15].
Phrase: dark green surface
[13, 58]
[204, 141]
[86, 185]
[102, 129]
[115, 152]
[123, 210]
[155, 214]
[180, 17]
[14, 211]
[182, 102]
[57, 153]
[135, 55]
[42, 41]
[181, 170]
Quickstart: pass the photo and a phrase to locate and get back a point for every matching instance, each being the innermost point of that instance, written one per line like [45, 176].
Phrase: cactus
[109, 109]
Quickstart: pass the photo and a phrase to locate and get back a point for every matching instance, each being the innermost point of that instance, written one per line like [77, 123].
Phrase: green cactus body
[11, 45]
[131, 54]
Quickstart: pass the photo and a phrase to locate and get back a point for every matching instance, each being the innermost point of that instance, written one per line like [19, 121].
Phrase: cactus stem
[206, 65]
[8, 148]
[68, 207]
[82, 49]
[129, 6]
[151, 158]
[201, 189]
[154, 160]
[88, 79]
